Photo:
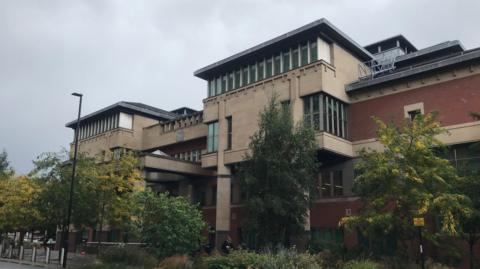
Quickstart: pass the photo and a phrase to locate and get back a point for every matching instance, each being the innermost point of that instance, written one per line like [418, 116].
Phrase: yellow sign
[418, 222]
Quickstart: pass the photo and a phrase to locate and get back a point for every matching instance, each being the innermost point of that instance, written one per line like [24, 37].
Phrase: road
[7, 265]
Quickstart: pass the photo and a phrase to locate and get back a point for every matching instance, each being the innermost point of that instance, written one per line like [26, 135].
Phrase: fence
[31, 253]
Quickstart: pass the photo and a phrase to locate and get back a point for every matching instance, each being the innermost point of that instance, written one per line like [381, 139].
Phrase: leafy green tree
[103, 191]
[5, 170]
[18, 197]
[406, 180]
[470, 186]
[170, 225]
[278, 175]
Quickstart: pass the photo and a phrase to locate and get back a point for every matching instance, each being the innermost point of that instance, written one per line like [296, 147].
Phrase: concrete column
[222, 223]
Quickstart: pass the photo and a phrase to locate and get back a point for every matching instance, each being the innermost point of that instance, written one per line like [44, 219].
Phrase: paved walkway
[9, 265]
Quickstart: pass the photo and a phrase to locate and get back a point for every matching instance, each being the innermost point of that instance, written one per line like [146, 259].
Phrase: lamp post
[72, 181]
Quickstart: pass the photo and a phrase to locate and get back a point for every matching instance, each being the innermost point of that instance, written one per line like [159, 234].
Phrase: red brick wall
[453, 100]
[328, 214]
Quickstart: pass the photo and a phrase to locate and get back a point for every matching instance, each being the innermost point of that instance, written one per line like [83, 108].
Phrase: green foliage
[365, 264]
[170, 225]
[18, 211]
[405, 180]
[5, 170]
[132, 256]
[277, 176]
[103, 191]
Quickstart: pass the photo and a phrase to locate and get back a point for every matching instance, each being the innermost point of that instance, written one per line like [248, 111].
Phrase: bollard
[1, 249]
[47, 256]
[34, 254]
[20, 256]
[62, 253]
[10, 251]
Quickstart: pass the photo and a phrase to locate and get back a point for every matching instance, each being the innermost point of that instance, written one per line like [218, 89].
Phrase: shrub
[287, 259]
[176, 262]
[128, 256]
[217, 262]
[171, 225]
[364, 264]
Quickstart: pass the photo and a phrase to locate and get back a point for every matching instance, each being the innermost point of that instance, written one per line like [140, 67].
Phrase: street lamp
[72, 181]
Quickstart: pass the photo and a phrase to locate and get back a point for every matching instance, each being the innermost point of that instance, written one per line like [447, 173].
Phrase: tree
[278, 175]
[18, 199]
[470, 186]
[405, 180]
[170, 225]
[103, 193]
[5, 170]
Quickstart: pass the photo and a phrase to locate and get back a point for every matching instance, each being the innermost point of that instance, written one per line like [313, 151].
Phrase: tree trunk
[471, 243]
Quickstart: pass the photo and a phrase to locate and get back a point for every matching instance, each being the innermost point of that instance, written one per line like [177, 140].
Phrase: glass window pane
[295, 58]
[286, 61]
[313, 51]
[304, 54]
[337, 183]
[238, 82]
[218, 87]
[261, 67]
[268, 68]
[326, 185]
[277, 64]
[253, 73]
[224, 84]
[230, 82]
[245, 76]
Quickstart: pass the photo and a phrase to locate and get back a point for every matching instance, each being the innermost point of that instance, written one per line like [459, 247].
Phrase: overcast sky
[146, 51]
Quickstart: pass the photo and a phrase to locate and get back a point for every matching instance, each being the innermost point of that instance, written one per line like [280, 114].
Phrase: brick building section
[453, 100]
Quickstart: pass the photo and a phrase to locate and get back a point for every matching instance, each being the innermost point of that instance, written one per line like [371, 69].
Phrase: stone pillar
[224, 181]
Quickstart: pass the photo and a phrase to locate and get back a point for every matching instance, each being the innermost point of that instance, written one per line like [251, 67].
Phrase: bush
[128, 256]
[289, 258]
[176, 262]
[171, 225]
[365, 264]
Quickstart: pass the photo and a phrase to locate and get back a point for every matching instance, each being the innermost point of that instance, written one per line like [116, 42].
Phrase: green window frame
[325, 113]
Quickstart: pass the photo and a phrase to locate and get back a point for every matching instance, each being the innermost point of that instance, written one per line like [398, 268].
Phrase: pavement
[11, 265]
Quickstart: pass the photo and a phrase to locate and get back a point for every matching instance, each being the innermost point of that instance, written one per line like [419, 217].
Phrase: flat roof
[322, 27]
[130, 106]
[455, 59]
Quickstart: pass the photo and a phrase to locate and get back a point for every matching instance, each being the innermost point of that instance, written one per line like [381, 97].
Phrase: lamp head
[77, 94]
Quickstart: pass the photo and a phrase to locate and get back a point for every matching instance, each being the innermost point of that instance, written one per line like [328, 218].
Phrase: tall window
[295, 58]
[211, 86]
[253, 73]
[304, 54]
[331, 183]
[219, 85]
[268, 67]
[238, 82]
[326, 184]
[286, 61]
[325, 113]
[229, 133]
[224, 83]
[261, 73]
[277, 63]
[230, 81]
[313, 51]
[212, 139]
[245, 76]
[337, 183]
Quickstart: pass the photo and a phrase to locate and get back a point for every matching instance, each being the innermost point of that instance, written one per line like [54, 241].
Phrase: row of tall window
[282, 61]
[191, 156]
[325, 113]
[107, 123]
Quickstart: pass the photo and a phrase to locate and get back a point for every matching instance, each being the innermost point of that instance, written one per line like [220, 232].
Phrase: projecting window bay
[280, 62]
